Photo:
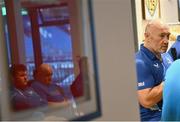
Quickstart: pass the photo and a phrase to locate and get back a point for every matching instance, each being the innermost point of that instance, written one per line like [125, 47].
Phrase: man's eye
[165, 35]
[162, 36]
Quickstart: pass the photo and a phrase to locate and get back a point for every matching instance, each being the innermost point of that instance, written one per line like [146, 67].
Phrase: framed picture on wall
[151, 9]
[178, 10]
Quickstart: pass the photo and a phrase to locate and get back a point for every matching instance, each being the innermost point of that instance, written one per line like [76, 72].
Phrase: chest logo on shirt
[156, 65]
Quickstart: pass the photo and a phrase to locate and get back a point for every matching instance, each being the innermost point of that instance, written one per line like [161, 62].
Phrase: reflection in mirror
[22, 95]
[52, 72]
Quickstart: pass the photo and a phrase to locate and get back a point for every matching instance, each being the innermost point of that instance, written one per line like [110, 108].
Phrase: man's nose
[50, 79]
[25, 78]
[166, 40]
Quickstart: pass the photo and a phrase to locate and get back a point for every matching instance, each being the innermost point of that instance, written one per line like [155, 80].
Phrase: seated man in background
[171, 93]
[43, 85]
[23, 96]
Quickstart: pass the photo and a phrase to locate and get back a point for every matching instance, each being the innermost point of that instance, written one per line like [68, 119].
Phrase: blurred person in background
[22, 96]
[44, 86]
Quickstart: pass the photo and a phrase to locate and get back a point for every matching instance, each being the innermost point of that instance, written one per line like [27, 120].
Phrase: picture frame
[178, 2]
[151, 9]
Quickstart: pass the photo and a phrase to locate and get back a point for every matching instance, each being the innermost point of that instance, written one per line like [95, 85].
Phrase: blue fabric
[27, 98]
[150, 73]
[171, 93]
[50, 92]
[167, 60]
[176, 45]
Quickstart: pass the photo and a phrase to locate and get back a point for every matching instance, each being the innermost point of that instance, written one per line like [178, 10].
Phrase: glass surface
[52, 70]
[54, 13]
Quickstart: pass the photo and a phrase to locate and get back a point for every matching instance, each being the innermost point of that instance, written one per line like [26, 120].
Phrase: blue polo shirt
[25, 99]
[167, 60]
[49, 92]
[171, 93]
[150, 73]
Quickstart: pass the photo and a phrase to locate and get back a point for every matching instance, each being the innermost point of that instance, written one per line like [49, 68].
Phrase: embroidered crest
[151, 6]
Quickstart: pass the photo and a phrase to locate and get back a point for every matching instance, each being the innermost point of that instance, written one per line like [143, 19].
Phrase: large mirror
[49, 60]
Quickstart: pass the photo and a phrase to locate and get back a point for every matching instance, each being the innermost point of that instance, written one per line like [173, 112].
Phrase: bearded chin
[163, 50]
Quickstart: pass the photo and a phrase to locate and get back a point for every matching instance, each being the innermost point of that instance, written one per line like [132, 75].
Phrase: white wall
[169, 11]
[168, 14]
[139, 20]
[115, 49]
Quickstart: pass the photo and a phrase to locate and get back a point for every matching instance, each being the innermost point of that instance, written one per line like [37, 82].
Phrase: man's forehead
[160, 26]
[160, 29]
[156, 24]
[21, 72]
[165, 30]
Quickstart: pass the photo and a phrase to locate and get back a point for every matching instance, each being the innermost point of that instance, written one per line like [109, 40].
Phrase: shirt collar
[150, 54]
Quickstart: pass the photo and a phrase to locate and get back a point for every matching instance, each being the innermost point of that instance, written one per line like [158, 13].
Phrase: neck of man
[157, 54]
[20, 87]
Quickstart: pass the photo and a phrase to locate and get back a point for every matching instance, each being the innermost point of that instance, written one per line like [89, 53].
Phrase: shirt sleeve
[144, 76]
